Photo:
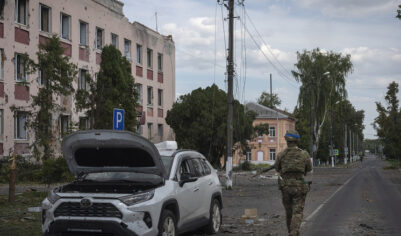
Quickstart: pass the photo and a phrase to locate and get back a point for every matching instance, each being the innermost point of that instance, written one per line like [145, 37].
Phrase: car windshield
[131, 177]
[167, 162]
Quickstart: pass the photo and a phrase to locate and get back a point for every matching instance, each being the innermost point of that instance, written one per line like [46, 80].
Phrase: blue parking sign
[118, 119]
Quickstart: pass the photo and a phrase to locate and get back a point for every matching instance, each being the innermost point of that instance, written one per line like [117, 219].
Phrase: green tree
[388, 122]
[199, 122]
[399, 12]
[262, 129]
[269, 100]
[56, 76]
[322, 77]
[114, 88]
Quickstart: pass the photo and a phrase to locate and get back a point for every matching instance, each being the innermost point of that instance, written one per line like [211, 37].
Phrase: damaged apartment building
[84, 27]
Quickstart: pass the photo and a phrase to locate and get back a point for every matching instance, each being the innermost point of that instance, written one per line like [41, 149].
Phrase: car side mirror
[186, 178]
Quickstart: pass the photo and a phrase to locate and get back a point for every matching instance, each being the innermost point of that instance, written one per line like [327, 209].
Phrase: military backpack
[293, 161]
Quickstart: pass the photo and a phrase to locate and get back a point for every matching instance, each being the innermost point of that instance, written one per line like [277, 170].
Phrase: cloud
[349, 8]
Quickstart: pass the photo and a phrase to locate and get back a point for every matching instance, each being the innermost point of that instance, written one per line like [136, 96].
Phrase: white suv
[125, 185]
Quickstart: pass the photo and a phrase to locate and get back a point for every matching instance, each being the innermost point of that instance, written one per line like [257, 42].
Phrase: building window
[160, 97]
[139, 129]
[150, 57]
[160, 61]
[64, 125]
[2, 3]
[1, 123]
[114, 40]
[21, 11]
[83, 33]
[20, 68]
[272, 131]
[1, 63]
[83, 123]
[20, 125]
[44, 18]
[127, 49]
[160, 131]
[272, 154]
[139, 92]
[99, 38]
[65, 26]
[42, 78]
[139, 54]
[150, 95]
[82, 79]
[150, 131]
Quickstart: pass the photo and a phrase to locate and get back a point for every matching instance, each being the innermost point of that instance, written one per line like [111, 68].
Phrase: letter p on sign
[118, 119]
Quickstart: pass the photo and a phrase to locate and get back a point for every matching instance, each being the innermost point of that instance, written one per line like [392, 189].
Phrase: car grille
[95, 210]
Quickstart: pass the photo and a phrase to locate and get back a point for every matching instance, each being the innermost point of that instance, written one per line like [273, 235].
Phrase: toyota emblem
[85, 203]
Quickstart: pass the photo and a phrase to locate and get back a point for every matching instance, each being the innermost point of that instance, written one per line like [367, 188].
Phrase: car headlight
[137, 198]
[53, 197]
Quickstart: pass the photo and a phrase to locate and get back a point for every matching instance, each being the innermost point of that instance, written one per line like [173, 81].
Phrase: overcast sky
[365, 29]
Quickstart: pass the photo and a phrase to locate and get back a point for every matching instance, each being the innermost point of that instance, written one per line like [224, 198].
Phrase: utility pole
[157, 30]
[345, 144]
[271, 91]
[230, 78]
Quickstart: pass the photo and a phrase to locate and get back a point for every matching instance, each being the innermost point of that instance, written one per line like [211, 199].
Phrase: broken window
[20, 68]
[1, 63]
[65, 26]
[160, 131]
[150, 95]
[42, 78]
[150, 131]
[44, 18]
[150, 57]
[83, 123]
[139, 54]
[64, 125]
[1, 123]
[114, 40]
[20, 125]
[160, 97]
[83, 33]
[160, 62]
[99, 38]
[21, 11]
[82, 79]
[139, 92]
[127, 49]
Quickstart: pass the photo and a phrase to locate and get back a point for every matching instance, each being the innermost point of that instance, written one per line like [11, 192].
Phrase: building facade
[84, 27]
[264, 149]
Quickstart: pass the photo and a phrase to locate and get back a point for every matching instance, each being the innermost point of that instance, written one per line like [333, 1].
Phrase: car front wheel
[215, 218]
[167, 224]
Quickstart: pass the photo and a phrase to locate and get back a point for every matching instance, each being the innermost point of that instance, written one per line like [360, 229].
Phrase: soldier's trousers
[294, 202]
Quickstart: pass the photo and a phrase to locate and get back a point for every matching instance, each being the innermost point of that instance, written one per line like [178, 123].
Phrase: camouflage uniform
[293, 163]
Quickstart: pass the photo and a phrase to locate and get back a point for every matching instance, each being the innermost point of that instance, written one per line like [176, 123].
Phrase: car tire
[167, 224]
[215, 219]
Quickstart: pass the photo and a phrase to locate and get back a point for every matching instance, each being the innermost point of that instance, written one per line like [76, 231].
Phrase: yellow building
[264, 149]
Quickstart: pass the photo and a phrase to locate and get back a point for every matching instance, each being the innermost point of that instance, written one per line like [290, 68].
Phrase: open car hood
[111, 151]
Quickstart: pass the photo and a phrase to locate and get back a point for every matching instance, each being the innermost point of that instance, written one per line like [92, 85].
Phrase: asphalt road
[368, 203]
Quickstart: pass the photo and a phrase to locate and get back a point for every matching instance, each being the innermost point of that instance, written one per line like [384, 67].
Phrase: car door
[204, 188]
[188, 195]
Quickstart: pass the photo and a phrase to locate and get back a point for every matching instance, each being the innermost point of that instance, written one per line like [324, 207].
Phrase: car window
[206, 167]
[167, 162]
[197, 167]
[184, 168]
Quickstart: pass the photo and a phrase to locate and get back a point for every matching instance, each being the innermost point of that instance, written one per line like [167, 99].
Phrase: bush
[54, 170]
[27, 171]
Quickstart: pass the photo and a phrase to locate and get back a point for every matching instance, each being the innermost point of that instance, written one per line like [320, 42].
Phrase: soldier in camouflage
[292, 164]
